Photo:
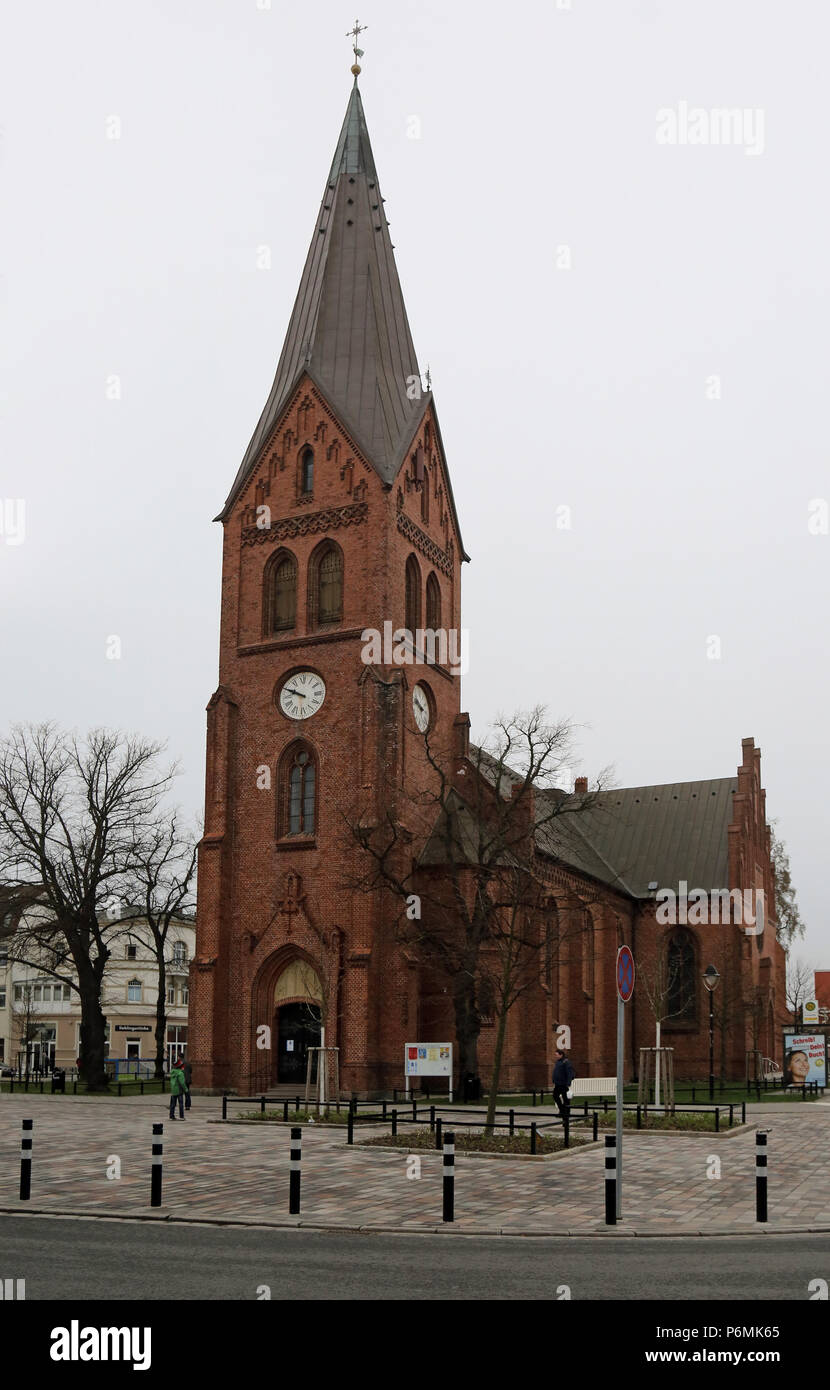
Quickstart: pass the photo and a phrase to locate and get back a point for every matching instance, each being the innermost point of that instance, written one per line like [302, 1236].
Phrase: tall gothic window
[307, 473]
[412, 587]
[280, 593]
[297, 790]
[433, 603]
[325, 585]
[681, 978]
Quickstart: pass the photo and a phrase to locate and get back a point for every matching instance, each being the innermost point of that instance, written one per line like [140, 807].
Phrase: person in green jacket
[178, 1087]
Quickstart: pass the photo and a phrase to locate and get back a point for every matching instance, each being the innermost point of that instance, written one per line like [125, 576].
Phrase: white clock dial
[420, 708]
[302, 694]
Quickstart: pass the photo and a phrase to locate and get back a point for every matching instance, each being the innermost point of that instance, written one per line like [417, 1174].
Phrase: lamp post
[710, 979]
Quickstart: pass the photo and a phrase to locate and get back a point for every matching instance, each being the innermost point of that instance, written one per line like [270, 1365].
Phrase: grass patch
[467, 1141]
[678, 1122]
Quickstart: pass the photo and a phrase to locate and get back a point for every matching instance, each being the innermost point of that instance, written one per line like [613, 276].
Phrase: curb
[428, 1228]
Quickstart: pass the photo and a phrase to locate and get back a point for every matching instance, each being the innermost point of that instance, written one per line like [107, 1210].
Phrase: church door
[298, 1029]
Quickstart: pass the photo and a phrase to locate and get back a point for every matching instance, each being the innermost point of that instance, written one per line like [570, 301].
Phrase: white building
[42, 1017]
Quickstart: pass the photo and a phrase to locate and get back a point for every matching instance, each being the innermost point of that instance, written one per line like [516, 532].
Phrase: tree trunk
[467, 1028]
[93, 1031]
[494, 1083]
[161, 1017]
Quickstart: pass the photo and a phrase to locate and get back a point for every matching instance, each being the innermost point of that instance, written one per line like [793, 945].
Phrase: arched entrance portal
[297, 1020]
[298, 1030]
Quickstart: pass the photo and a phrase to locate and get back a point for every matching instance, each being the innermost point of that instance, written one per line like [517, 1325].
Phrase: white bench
[593, 1086]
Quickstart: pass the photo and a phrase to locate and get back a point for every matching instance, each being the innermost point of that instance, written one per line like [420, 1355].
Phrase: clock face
[420, 708]
[302, 695]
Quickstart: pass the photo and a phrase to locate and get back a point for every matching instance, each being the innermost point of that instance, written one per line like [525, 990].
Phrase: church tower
[340, 523]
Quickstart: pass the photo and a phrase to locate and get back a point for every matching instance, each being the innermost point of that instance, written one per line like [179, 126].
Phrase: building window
[280, 593]
[433, 604]
[134, 992]
[18, 994]
[171, 994]
[179, 953]
[37, 993]
[681, 978]
[325, 585]
[297, 791]
[412, 595]
[132, 952]
[2, 996]
[307, 473]
[185, 994]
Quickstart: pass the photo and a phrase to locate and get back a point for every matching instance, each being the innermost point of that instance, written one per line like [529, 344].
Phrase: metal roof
[349, 330]
[641, 835]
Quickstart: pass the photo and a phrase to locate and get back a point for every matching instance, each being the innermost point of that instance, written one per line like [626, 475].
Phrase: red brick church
[341, 520]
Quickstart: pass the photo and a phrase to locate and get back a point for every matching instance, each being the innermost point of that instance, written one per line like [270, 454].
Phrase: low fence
[57, 1084]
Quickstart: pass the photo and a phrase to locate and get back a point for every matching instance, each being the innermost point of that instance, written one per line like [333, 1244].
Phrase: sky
[621, 295]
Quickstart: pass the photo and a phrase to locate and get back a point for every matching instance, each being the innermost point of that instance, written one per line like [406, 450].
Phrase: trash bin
[59, 1081]
[472, 1087]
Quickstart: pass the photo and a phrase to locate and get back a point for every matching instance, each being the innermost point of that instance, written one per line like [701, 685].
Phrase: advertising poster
[804, 1059]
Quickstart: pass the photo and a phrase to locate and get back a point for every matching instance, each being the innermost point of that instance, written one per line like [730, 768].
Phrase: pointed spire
[349, 328]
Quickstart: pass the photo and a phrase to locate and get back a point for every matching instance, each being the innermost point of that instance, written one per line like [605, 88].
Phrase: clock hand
[292, 691]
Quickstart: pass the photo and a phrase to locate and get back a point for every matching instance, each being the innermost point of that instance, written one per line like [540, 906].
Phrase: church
[341, 527]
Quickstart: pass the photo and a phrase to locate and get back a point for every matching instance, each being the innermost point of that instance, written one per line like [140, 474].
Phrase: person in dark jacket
[563, 1075]
[188, 1076]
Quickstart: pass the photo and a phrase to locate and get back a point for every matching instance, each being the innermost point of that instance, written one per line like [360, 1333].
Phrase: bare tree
[27, 1022]
[800, 985]
[165, 882]
[466, 884]
[74, 820]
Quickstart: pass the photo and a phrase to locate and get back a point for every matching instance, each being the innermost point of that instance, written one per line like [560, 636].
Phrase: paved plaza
[239, 1173]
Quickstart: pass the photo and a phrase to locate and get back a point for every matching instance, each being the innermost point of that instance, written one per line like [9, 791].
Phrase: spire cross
[355, 34]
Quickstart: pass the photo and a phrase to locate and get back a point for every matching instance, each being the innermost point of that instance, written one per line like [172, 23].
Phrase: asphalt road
[105, 1260]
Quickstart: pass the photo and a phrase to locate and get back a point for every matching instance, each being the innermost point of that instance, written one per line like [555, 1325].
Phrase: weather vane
[354, 34]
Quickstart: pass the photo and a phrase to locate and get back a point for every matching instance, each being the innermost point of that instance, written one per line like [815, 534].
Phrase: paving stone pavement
[239, 1173]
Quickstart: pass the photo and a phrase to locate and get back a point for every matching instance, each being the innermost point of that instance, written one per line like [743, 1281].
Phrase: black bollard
[449, 1176]
[610, 1179]
[26, 1161]
[350, 1128]
[294, 1171]
[438, 1140]
[760, 1175]
[155, 1170]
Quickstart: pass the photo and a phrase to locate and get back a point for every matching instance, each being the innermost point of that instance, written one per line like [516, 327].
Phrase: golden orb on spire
[356, 69]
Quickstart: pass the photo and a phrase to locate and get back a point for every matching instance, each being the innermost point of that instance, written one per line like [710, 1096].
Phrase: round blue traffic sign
[625, 973]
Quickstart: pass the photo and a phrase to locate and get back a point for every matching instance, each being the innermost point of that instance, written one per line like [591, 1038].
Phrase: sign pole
[625, 989]
[620, 1052]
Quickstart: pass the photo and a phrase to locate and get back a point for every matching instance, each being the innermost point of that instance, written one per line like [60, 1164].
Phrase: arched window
[280, 593]
[325, 585]
[134, 992]
[297, 812]
[412, 620]
[307, 473]
[681, 978]
[433, 603]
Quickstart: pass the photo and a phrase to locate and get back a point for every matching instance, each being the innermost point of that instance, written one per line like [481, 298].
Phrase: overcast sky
[632, 329]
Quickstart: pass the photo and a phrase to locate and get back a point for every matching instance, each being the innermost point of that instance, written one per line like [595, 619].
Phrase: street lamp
[710, 979]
